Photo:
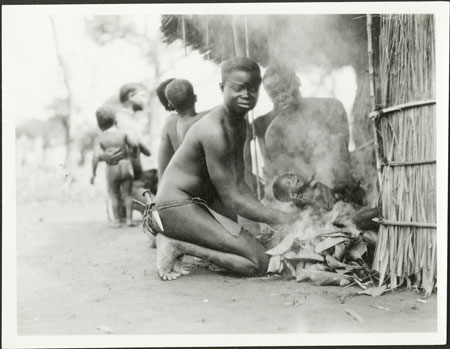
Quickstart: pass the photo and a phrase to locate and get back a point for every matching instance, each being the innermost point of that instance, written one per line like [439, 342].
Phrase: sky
[33, 75]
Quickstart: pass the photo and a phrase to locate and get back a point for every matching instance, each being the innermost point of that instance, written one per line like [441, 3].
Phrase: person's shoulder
[270, 115]
[100, 137]
[263, 121]
[123, 113]
[208, 117]
[209, 126]
[116, 133]
[203, 113]
[170, 120]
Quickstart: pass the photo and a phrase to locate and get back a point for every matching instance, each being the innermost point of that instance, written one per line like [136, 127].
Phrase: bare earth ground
[78, 276]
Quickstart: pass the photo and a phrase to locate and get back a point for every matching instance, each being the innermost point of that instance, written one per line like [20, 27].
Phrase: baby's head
[180, 94]
[106, 116]
[287, 186]
[161, 93]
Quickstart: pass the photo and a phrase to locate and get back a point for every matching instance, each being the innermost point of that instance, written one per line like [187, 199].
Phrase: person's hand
[92, 179]
[284, 218]
[112, 156]
[290, 216]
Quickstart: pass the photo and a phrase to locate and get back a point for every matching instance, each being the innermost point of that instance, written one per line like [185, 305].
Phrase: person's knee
[262, 265]
[258, 266]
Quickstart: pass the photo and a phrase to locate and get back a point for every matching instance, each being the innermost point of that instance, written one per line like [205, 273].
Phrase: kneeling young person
[203, 188]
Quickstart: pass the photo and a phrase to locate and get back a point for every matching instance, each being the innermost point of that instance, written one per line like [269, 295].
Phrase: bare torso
[187, 174]
[113, 138]
[310, 140]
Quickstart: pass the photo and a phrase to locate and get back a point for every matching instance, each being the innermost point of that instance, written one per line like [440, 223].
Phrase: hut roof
[327, 40]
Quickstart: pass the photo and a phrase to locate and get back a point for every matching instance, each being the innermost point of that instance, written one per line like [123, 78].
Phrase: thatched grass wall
[406, 249]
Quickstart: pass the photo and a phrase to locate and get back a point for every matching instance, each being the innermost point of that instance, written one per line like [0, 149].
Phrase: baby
[292, 187]
[119, 177]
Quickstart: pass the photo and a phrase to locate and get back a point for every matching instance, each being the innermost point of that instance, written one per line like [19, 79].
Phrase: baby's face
[302, 194]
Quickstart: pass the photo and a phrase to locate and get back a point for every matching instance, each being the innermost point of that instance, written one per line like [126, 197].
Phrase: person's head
[241, 79]
[282, 85]
[180, 94]
[161, 93]
[349, 191]
[106, 116]
[134, 95]
[286, 185]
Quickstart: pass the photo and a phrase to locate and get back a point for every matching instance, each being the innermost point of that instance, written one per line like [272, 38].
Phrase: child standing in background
[119, 176]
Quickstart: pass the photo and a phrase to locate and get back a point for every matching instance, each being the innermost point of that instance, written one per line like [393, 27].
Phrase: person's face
[138, 99]
[282, 93]
[240, 91]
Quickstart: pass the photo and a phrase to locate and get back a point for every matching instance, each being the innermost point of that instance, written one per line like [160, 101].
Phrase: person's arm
[248, 156]
[165, 152]
[97, 150]
[340, 136]
[132, 144]
[260, 129]
[247, 186]
[226, 173]
[144, 150]
[110, 156]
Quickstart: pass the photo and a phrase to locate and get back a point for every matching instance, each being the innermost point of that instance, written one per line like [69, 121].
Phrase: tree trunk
[237, 47]
[67, 117]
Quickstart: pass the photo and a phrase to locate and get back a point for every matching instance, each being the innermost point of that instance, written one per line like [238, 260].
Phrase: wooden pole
[207, 38]
[247, 49]
[405, 224]
[372, 97]
[183, 30]
[237, 48]
[252, 119]
[65, 74]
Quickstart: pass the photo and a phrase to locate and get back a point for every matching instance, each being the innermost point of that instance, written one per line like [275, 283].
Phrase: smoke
[310, 44]
[311, 224]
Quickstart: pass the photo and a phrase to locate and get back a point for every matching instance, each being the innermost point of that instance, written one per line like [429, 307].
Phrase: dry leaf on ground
[303, 254]
[105, 329]
[284, 246]
[380, 307]
[325, 278]
[354, 315]
[374, 291]
[328, 243]
[274, 264]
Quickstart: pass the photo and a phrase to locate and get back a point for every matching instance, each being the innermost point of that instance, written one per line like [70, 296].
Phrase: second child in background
[180, 97]
[119, 176]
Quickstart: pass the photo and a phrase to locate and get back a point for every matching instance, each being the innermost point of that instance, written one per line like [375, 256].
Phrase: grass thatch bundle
[406, 249]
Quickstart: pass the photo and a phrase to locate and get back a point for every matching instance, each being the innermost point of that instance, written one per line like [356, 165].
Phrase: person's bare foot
[178, 267]
[131, 223]
[115, 224]
[167, 254]
[152, 240]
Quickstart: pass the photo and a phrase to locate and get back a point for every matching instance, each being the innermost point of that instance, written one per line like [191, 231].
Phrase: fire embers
[326, 249]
